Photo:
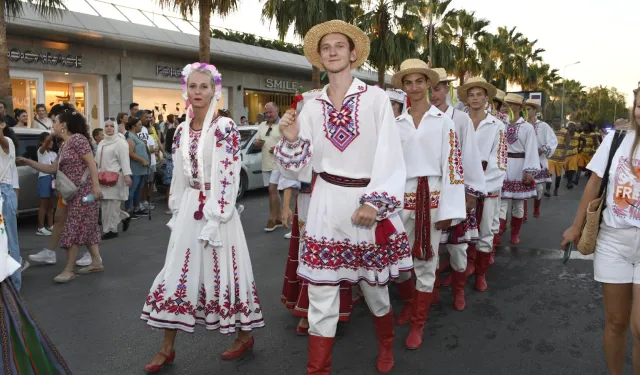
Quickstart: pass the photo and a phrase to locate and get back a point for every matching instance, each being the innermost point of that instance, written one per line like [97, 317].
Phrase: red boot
[516, 224]
[471, 260]
[536, 207]
[496, 242]
[526, 205]
[436, 290]
[320, 349]
[459, 282]
[445, 264]
[406, 290]
[384, 331]
[446, 281]
[482, 264]
[503, 226]
[419, 316]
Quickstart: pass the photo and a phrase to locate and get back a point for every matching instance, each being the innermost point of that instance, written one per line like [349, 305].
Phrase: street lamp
[564, 75]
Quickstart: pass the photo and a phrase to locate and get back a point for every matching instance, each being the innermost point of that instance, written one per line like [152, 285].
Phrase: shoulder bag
[107, 178]
[64, 186]
[587, 243]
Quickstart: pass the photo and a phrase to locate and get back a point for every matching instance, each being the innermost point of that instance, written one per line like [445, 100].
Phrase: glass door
[79, 95]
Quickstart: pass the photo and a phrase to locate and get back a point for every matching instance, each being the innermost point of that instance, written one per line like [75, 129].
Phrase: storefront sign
[47, 58]
[168, 71]
[280, 84]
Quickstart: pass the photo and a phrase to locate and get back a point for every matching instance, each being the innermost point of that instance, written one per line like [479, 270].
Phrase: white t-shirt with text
[148, 139]
[47, 158]
[623, 191]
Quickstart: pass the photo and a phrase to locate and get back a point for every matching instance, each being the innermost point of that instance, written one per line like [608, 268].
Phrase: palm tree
[305, 14]
[205, 9]
[395, 29]
[464, 31]
[436, 13]
[12, 9]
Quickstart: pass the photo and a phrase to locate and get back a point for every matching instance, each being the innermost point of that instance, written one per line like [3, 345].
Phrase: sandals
[64, 279]
[91, 269]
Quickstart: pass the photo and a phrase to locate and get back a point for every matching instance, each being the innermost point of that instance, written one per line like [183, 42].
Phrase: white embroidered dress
[521, 139]
[473, 176]
[210, 286]
[432, 150]
[547, 142]
[356, 141]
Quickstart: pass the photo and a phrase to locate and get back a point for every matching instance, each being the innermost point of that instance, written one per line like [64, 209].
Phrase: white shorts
[617, 256]
[271, 177]
[285, 183]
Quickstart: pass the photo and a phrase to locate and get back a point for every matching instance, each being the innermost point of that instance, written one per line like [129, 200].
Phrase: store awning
[145, 36]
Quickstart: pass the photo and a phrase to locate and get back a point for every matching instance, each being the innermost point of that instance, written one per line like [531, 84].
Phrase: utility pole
[564, 74]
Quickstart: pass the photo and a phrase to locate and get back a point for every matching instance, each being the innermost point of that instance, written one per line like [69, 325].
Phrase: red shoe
[384, 331]
[168, 359]
[418, 319]
[536, 207]
[516, 224]
[320, 350]
[471, 260]
[238, 352]
[482, 264]
[302, 331]
[459, 282]
[406, 290]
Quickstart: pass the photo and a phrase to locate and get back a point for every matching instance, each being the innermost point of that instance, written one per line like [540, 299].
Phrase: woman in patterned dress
[207, 277]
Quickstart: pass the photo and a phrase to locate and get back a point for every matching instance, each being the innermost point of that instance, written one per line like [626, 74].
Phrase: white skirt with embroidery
[213, 287]
[513, 186]
[335, 250]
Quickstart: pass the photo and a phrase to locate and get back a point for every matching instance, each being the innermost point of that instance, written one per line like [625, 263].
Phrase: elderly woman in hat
[434, 192]
[523, 164]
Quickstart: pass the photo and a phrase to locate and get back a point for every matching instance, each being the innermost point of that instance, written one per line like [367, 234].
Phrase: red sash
[422, 249]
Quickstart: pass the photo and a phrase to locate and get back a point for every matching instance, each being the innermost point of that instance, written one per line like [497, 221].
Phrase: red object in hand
[296, 99]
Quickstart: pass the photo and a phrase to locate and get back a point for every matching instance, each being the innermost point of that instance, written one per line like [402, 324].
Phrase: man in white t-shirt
[147, 120]
[268, 137]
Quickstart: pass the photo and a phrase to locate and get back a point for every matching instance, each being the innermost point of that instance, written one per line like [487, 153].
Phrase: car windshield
[28, 146]
[245, 137]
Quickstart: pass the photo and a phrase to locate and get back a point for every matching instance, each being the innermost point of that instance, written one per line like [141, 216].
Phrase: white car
[28, 144]
[251, 156]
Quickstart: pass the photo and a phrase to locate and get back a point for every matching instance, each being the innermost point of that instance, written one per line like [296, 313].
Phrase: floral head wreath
[186, 72]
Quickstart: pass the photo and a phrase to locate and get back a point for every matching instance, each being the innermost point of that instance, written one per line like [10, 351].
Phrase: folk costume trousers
[489, 224]
[517, 208]
[540, 190]
[324, 306]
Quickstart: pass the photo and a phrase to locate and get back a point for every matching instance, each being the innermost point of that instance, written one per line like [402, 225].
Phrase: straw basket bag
[587, 244]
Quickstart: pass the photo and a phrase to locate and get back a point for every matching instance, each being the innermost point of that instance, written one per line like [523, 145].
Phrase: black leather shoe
[109, 235]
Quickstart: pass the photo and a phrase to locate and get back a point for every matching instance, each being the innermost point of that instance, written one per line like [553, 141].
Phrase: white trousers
[517, 208]
[425, 270]
[458, 256]
[112, 215]
[489, 224]
[324, 306]
[540, 190]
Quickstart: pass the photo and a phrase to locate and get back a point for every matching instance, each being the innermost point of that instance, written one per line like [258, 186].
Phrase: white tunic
[432, 150]
[547, 142]
[355, 141]
[492, 146]
[521, 139]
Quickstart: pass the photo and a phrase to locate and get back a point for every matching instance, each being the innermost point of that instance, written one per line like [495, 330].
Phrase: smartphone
[567, 252]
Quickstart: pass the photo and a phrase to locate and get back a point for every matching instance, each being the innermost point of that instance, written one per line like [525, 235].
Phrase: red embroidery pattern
[410, 201]
[434, 199]
[330, 254]
[228, 141]
[502, 152]
[341, 126]
[177, 305]
[384, 203]
[293, 155]
[544, 173]
[517, 187]
[194, 138]
[176, 140]
[456, 175]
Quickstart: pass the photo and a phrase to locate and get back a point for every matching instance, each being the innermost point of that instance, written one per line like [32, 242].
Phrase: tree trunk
[5, 81]
[381, 68]
[204, 7]
[315, 78]
[462, 69]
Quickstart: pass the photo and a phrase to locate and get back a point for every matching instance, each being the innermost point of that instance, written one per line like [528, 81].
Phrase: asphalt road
[538, 316]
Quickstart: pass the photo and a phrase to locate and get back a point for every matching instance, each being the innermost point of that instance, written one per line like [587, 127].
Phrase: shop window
[254, 102]
[24, 96]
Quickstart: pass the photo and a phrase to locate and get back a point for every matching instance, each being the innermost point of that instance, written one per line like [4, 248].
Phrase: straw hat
[476, 82]
[499, 95]
[411, 66]
[315, 35]
[514, 99]
[534, 104]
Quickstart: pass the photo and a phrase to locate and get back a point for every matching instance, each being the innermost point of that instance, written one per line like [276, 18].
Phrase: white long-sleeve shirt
[492, 148]
[547, 141]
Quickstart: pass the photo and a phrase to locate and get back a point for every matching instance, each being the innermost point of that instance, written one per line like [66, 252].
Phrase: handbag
[64, 186]
[107, 178]
[589, 235]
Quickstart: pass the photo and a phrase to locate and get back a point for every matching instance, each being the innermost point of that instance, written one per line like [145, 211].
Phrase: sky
[598, 34]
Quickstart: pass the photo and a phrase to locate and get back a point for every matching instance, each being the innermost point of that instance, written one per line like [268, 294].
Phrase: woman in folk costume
[398, 101]
[522, 165]
[547, 143]
[461, 238]
[353, 233]
[207, 277]
[557, 160]
[591, 143]
[295, 291]
[492, 146]
[498, 108]
[27, 349]
[572, 140]
[434, 193]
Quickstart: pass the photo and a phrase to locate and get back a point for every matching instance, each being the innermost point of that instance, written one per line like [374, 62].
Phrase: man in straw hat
[398, 101]
[498, 108]
[547, 143]
[490, 135]
[353, 233]
[462, 234]
[522, 165]
[434, 193]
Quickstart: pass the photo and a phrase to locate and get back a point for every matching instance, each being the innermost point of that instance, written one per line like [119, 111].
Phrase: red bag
[107, 178]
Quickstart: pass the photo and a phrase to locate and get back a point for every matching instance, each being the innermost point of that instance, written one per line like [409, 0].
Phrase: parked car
[250, 155]
[28, 144]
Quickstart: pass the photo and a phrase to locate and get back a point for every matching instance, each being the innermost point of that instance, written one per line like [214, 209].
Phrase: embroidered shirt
[492, 148]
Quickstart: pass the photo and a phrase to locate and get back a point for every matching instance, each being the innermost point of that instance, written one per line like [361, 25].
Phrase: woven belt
[196, 185]
[515, 155]
[344, 181]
